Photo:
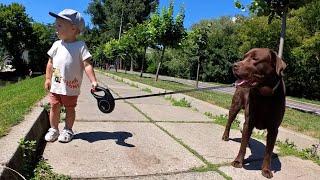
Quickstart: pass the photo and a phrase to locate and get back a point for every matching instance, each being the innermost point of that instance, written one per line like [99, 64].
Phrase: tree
[143, 38]
[42, 38]
[304, 80]
[168, 31]
[274, 8]
[198, 43]
[111, 51]
[15, 32]
[129, 48]
[112, 16]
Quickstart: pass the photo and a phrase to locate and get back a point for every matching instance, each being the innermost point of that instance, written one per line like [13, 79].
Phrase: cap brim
[57, 16]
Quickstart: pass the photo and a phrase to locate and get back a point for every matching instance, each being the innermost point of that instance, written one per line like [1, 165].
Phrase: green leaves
[15, 31]
[107, 15]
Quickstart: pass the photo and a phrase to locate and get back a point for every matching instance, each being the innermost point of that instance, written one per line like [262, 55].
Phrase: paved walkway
[151, 139]
[293, 104]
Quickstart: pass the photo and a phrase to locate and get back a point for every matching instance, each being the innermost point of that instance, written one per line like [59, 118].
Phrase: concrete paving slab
[87, 108]
[116, 149]
[287, 168]
[125, 90]
[151, 101]
[121, 112]
[112, 83]
[185, 176]
[206, 140]
[172, 113]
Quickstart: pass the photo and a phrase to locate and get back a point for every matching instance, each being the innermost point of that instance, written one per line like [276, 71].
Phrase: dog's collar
[268, 91]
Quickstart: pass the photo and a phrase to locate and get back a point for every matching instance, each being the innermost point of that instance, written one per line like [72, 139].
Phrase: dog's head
[258, 66]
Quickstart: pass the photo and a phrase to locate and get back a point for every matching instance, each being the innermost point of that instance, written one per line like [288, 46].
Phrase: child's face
[65, 30]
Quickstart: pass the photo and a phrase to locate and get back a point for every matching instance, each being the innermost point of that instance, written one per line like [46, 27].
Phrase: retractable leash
[106, 103]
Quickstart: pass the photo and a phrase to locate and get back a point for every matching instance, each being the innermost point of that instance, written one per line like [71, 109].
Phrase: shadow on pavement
[119, 136]
[254, 161]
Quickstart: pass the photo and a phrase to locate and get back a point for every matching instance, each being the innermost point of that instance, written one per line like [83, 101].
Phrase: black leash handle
[175, 92]
[106, 102]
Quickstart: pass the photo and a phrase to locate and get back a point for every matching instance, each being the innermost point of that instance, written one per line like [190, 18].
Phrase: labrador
[260, 91]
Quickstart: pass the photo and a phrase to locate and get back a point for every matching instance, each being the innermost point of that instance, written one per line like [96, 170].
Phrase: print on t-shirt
[57, 75]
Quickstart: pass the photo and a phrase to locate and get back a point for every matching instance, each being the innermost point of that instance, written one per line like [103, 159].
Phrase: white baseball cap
[72, 16]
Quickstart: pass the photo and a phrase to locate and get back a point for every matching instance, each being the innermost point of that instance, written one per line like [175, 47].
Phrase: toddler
[68, 58]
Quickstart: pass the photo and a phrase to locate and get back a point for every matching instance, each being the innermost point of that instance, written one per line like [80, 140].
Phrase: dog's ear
[279, 63]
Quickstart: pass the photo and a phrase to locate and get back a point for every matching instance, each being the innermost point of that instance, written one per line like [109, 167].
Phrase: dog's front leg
[234, 110]
[246, 133]
[271, 139]
[247, 130]
[235, 107]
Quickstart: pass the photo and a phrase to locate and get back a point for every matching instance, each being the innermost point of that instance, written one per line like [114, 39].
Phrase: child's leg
[55, 102]
[55, 115]
[70, 102]
[70, 117]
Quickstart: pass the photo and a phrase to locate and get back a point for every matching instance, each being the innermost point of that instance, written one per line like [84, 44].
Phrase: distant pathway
[298, 105]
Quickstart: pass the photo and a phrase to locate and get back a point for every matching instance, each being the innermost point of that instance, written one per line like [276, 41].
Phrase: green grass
[147, 90]
[288, 149]
[17, 99]
[181, 102]
[305, 123]
[43, 170]
[222, 120]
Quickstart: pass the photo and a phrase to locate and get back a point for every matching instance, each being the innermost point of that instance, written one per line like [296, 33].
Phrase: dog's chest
[265, 112]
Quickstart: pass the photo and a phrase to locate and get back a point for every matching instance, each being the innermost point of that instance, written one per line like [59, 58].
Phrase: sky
[195, 10]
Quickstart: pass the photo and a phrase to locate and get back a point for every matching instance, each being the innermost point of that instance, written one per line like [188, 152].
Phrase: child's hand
[47, 84]
[94, 85]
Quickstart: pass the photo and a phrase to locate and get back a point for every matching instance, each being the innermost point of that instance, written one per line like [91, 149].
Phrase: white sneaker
[52, 135]
[66, 136]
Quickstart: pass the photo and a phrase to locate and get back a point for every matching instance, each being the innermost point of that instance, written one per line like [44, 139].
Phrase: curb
[300, 140]
[33, 127]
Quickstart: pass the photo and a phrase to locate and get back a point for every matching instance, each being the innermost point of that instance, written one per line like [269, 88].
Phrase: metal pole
[283, 33]
[120, 28]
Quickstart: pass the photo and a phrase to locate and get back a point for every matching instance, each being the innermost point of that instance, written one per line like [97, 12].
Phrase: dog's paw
[267, 173]
[237, 164]
[225, 138]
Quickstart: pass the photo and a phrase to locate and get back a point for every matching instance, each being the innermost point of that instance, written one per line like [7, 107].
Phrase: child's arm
[90, 73]
[47, 83]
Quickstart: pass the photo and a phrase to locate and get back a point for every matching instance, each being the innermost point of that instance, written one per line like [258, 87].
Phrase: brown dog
[261, 92]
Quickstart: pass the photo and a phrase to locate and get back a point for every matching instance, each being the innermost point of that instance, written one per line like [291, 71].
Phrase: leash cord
[175, 92]
[16, 172]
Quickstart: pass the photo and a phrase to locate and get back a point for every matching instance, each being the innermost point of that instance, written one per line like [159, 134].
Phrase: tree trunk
[116, 65]
[157, 74]
[120, 64]
[131, 65]
[283, 33]
[198, 70]
[143, 59]
[120, 28]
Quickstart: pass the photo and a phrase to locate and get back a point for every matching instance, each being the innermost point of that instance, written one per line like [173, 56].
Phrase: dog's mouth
[246, 79]
[245, 83]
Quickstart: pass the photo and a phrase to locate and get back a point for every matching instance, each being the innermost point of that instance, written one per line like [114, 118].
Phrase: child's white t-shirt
[67, 59]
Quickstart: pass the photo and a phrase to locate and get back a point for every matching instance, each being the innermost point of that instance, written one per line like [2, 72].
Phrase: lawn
[306, 123]
[17, 99]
